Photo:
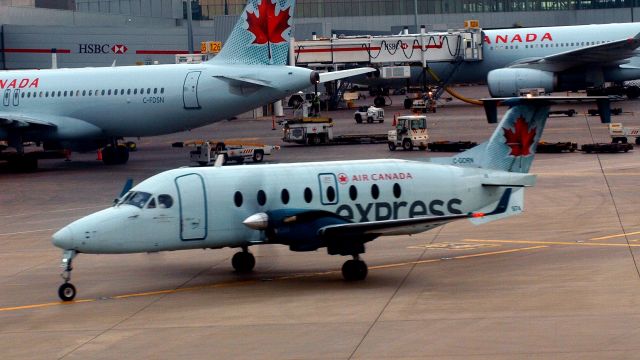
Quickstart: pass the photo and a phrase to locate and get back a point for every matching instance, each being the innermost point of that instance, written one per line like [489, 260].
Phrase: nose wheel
[243, 261]
[355, 269]
[67, 291]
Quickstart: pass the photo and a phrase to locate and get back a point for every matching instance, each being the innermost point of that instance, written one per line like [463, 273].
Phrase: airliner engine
[508, 82]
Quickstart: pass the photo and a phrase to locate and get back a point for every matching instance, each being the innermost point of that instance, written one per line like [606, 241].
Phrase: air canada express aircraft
[338, 205]
[88, 108]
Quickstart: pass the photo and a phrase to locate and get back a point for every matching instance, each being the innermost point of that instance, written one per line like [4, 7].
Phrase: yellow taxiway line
[615, 236]
[549, 242]
[253, 281]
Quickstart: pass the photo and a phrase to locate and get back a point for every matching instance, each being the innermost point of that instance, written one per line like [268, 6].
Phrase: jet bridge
[423, 48]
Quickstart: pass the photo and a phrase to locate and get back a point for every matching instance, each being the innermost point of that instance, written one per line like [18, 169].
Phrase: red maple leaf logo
[268, 27]
[521, 139]
[343, 178]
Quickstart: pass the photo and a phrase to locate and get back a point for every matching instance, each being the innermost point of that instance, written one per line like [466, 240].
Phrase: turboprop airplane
[558, 58]
[338, 205]
[89, 108]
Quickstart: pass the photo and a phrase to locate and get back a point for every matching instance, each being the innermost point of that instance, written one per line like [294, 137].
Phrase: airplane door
[193, 207]
[16, 97]
[7, 97]
[328, 189]
[190, 90]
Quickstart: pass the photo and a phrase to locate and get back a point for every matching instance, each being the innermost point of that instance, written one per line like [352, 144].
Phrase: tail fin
[261, 35]
[513, 144]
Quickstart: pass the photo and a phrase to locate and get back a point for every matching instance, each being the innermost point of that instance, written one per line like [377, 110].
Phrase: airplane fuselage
[143, 101]
[210, 204]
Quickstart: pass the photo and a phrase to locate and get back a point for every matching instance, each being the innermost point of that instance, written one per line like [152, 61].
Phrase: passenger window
[22, 95]
[121, 91]
[152, 204]
[375, 191]
[237, 198]
[331, 194]
[165, 201]
[128, 91]
[155, 90]
[262, 198]
[108, 92]
[353, 192]
[65, 93]
[148, 90]
[46, 94]
[141, 91]
[40, 93]
[90, 92]
[102, 92]
[308, 195]
[397, 191]
[161, 90]
[135, 91]
[284, 196]
[59, 93]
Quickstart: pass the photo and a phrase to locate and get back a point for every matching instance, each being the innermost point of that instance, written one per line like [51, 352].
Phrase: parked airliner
[86, 109]
[339, 205]
[557, 58]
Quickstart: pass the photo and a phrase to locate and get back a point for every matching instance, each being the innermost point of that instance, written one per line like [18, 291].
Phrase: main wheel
[243, 261]
[67, 292]
[354, 270]
[407, 145]
[258, 155]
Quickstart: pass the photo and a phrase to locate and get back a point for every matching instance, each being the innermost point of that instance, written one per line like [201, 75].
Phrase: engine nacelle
[508, 82]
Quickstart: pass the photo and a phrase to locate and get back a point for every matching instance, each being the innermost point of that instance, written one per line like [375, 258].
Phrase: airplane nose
[63, 238]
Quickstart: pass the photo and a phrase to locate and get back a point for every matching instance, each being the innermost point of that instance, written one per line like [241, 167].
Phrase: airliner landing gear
[67, 291]
[243, 261]
[355, 269]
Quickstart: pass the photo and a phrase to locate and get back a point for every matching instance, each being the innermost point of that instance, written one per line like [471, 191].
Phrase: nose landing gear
[67, 291]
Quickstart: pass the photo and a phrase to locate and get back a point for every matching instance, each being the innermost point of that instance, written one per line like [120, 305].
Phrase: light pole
[415, 16]
[190, 26]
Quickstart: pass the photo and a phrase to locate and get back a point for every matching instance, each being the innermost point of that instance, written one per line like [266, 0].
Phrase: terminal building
[129, 32]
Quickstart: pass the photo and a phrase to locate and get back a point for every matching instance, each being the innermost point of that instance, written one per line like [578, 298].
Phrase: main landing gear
[115, 154]
[67, 291]
[243, 261]
[354, 269]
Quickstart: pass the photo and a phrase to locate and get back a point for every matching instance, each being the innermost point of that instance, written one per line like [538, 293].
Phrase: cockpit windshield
[135, 198]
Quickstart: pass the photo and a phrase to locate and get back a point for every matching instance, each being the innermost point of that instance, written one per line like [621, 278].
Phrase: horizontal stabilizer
[510, 179]
[337, 75]
[239, 81]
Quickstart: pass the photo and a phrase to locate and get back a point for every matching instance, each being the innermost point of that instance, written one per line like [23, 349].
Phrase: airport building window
[262, 198]
[331, 194]
[284, 196]
[397, 191]
[353, 193]
[308, 195]
[237, 198]
[375, 191]
[165, 201]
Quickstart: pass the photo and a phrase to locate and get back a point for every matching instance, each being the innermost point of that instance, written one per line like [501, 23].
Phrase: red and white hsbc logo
[102, 49]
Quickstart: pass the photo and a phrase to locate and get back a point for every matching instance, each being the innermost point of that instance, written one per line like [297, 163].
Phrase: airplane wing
[407, 226]
[341, 74]
[611, 53]
[14, 120]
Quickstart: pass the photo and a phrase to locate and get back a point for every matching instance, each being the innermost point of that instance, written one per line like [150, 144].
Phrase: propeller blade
[127, 186]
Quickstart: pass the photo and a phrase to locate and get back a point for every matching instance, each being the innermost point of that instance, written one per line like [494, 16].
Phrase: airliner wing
[611, 53]
[14, 120]
[389, 227]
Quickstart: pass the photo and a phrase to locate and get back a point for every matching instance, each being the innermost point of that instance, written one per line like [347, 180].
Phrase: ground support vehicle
[410, 132]
[316, 131]
[424, 105]
[451, 146]
[606, 147]
[557, 147]
[206, 152]
[621, 134]
[568, 112]
[369, 113]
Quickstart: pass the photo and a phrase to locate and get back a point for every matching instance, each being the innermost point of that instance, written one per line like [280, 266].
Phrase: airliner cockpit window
[165, 201]
[136, 198]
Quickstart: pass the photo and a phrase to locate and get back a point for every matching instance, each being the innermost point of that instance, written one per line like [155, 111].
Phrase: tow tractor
[621, 134]
[410, 132]
[205, 152]
[370, 113]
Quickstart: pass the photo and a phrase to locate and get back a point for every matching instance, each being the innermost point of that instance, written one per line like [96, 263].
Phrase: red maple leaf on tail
[521, 139]
[268, 27]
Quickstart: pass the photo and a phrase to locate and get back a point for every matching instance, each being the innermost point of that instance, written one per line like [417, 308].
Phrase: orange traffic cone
[67, 155]
[99, 155]
[394, 119]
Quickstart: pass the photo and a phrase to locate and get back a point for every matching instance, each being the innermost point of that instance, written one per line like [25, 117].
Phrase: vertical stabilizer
[261, 35]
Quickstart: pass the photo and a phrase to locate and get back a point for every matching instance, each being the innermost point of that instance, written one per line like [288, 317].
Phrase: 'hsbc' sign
[102, 49]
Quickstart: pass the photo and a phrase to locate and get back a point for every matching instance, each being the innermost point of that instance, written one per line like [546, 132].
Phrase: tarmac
[559, 281]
